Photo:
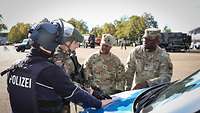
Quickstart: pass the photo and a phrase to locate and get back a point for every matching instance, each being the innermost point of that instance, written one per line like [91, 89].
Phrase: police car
[176, 97]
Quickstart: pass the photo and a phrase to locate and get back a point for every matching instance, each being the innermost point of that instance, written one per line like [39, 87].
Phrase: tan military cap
[107, 39]
[152, 33]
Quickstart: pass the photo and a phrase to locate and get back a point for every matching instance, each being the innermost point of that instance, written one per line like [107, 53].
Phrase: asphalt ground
[184, 64]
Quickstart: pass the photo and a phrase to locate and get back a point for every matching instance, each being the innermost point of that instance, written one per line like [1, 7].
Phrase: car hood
[185, 103]
[122, 102]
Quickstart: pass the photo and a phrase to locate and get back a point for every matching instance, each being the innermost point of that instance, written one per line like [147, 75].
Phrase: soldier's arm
[130, 68]
[120, 72]
[88, 71]
[165, 71]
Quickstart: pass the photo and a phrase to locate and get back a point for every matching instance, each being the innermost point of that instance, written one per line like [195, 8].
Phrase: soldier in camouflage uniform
[104, 69]
[63, 59]
[63, 52]
[148, 64]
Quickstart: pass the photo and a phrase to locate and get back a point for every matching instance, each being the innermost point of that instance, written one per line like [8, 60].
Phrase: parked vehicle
[3, 41]
[23, 45]
[89, 40]
[195, 45]
[175, 41]
[175, 97]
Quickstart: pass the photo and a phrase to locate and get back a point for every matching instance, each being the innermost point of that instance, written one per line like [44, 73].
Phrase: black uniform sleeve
[55, 77]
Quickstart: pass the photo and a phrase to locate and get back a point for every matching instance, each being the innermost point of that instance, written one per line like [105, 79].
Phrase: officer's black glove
[99, 94]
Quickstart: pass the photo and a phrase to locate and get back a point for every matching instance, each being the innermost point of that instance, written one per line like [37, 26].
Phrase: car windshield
[173, 91]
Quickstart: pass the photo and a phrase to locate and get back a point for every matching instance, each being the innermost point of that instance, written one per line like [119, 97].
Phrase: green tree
[97, 31]
[109, 28]
[18, 32]
[80, 25]
[2, 25]
[149, 20]
[122, 28]
[130, 28]
[136, 27]
[166, 29]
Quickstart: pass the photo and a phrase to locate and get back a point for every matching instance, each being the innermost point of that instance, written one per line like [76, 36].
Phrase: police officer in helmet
[36, 85]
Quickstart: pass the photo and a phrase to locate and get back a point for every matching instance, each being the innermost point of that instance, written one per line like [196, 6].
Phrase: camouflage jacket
[153, 67]
[105, 71]
[63, 60]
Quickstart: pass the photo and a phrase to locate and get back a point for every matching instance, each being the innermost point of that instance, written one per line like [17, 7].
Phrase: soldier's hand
[105, 102]
[140, 85]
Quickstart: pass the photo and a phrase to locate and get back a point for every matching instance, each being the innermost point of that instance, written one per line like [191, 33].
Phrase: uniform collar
[39, 53]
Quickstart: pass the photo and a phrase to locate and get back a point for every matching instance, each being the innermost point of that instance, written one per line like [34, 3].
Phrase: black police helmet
[47, 35]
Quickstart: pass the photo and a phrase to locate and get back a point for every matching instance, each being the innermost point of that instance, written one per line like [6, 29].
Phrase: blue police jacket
[39, 86]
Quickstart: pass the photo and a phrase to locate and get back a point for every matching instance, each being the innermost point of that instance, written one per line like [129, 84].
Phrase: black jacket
[52, 87]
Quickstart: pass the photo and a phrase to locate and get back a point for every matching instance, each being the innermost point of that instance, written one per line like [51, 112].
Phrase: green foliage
[131, 28]
[18, 32]
[166, 29]
[121, 28]
[136, 27]
[80, 25]
[2, 25]
[97, 31]
[149, 21]
[109, 28]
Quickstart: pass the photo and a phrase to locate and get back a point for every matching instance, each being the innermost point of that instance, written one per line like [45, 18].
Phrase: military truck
[175, 41]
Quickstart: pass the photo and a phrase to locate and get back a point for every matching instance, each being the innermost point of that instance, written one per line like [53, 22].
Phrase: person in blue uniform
[36, 85]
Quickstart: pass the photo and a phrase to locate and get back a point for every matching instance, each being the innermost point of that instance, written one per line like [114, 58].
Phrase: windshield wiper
[149, 96]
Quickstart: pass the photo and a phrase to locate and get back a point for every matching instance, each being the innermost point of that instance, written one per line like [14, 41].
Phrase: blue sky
[179, 15]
